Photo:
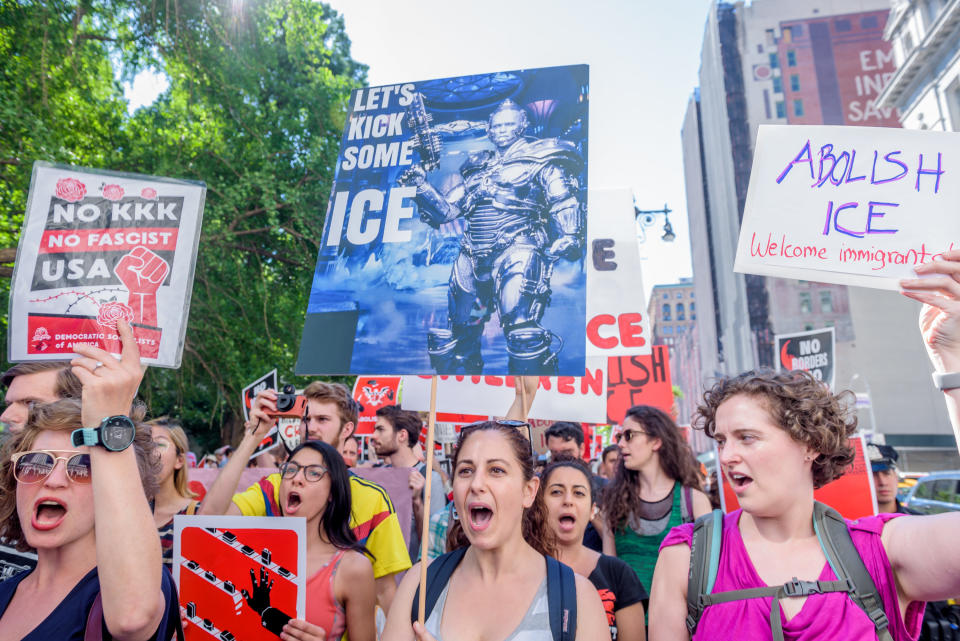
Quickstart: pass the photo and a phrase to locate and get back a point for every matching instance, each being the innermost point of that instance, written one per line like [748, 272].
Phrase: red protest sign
[372, 393]
[638, 380]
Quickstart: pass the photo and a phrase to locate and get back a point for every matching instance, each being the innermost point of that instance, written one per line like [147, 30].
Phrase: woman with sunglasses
[498, 590]
[341, 594]
[656, 487]
[79, 497]
[566, 487]
[173, 496]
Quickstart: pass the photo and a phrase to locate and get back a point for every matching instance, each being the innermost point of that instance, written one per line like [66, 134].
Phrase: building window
[781, 109]
[774, 61]
[842, 25]
[805, 305]
[798, 107]
[794, 82]
[807, 327]
[665, 312]
[666, 296]
[797, 30]
[680, 313]
[668, 329]
[791, 58]
[869, 22]
[826, 302]
[777, 84]
[693, 311]
[771, 38]
[759, 48]
[679, 294]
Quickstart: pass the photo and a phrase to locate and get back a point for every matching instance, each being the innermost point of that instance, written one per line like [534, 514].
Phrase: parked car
[935, 493]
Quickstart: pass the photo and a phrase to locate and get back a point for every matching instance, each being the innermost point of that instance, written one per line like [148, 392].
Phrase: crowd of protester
[556, 549]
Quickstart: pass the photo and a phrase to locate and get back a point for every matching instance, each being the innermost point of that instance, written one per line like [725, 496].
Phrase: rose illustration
[113, 192]
[149, 193]
[111, 312]
[71, 189]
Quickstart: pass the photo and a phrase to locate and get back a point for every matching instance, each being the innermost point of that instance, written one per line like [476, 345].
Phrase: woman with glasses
[173, 496]
[341, 593]
[498, 589]
[79, 496]
[656, 487]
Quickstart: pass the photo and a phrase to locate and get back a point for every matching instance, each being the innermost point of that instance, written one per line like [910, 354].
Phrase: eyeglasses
[36, 465]
[504, 422]
[629, 435]
[311, 473]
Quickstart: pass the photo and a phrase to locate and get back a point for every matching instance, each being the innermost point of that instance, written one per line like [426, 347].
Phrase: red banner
[638, 380]
[60, 241]
[57, 334]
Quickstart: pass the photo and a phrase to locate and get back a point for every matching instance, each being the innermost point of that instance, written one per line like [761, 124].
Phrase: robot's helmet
[507, 122]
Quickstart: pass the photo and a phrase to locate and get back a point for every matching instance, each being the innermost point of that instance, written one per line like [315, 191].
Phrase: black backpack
[844, 560]
[561, 592]
[941, 622]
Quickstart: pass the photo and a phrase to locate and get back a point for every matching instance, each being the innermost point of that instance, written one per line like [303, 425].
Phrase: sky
[644, 59]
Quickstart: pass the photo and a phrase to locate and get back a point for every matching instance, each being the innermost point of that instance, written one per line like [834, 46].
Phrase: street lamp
[646, 219]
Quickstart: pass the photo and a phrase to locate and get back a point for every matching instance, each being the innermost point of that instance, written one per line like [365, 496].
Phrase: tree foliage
[254, 108]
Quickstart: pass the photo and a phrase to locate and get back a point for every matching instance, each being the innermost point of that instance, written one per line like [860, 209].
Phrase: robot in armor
[522, 211]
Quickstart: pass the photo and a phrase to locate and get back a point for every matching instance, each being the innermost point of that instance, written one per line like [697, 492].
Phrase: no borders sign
[265, 382]
[99, 246]
[812, 351]
[849, 205]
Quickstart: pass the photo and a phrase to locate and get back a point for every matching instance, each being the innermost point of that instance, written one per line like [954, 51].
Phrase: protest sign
[617, 323]
[559, 398]
[99, 246]
[849, 205]
[440, 219]
[396, 482]
[372, 393]
[265, 382]
[216, 558]
[13, 561]
[812, 351]
[852, 495]
[638, 380]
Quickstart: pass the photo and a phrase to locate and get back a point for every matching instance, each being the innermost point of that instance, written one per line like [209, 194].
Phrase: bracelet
[946, 381]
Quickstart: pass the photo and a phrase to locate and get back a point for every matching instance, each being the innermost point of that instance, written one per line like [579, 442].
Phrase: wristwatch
[945, 381]
[115, 434]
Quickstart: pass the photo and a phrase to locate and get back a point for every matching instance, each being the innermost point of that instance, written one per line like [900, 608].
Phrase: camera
[289, 404]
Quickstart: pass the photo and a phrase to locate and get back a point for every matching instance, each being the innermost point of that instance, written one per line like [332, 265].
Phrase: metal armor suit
[522, 212]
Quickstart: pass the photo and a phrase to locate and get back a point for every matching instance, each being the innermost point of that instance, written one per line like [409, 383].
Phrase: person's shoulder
[355, 565]
[366, 491]
[613, 564]
[871, 525]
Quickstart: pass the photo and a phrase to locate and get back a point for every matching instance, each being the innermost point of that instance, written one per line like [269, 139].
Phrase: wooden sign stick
[425, 539]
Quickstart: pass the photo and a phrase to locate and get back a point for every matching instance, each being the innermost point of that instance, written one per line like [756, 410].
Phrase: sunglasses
[629, 435]
[311, 473]
[36, 465]
[506, 422]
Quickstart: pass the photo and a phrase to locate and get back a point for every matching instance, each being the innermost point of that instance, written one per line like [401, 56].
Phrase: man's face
[384, 438]
[323, 423]
[885, 482]
[504, 128]
[350, 451]
[24, 390]
[559, 446]
[609, 466]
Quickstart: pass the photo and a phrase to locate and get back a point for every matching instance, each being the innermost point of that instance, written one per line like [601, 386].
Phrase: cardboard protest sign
[265, 382]
[99, 246]
[372, 393]
[13, 562]
[852, 495]
[617, 323]
[205, 476]
[239, 577]
[849, 205]
[639, 380]
[559, 398]
[396, 482]
[456, 201]
[812, 351]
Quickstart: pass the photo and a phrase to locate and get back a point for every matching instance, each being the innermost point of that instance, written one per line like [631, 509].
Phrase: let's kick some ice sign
[98, 246]
[849, 205]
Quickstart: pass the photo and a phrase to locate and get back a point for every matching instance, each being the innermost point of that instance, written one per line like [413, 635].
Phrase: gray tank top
[535, 625]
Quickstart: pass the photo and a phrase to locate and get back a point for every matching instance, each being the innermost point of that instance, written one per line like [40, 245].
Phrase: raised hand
[260, 599]
[939, 291]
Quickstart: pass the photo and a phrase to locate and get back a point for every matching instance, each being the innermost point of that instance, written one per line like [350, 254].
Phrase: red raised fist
[142, 272]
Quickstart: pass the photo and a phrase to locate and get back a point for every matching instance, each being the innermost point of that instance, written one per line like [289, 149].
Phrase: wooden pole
[425, 538]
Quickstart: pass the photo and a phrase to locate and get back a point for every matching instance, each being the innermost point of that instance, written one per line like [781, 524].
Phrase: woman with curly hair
[656, 487]
[498, 590]
[173, 496]
[780, 436]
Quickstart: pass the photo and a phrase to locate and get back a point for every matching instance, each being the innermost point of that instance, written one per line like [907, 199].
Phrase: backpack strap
[438, 574]
[704, 562]
[848, 566]
[562, 600]
[94, 628]
[688, 504]
[192, 507]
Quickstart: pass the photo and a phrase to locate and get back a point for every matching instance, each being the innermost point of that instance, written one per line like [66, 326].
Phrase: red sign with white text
[638, 380]
[58, 333]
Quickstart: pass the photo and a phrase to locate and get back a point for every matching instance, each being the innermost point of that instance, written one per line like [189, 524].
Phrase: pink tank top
[831, 616]
[323, 609]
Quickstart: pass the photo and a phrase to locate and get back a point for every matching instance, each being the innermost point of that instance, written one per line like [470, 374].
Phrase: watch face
[116, 433]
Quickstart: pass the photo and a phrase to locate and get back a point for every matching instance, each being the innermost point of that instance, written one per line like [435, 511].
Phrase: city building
[782, 62]
[672, 310]
[925, 88]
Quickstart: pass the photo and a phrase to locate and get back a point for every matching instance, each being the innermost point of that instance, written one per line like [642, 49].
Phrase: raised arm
[920, 552]
[128, 548]
[668, 595]
[526, 389]
[218, 499]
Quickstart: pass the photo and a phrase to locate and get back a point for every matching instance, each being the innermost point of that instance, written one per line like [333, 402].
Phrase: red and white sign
[617, 322]
[372, 393]
[265, 382]
[97, 247]
[239, 577]
[852, 495]
[639, 380]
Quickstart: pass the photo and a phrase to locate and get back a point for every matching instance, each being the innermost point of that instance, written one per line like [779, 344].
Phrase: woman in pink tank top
[340, 587]
[780, 436]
